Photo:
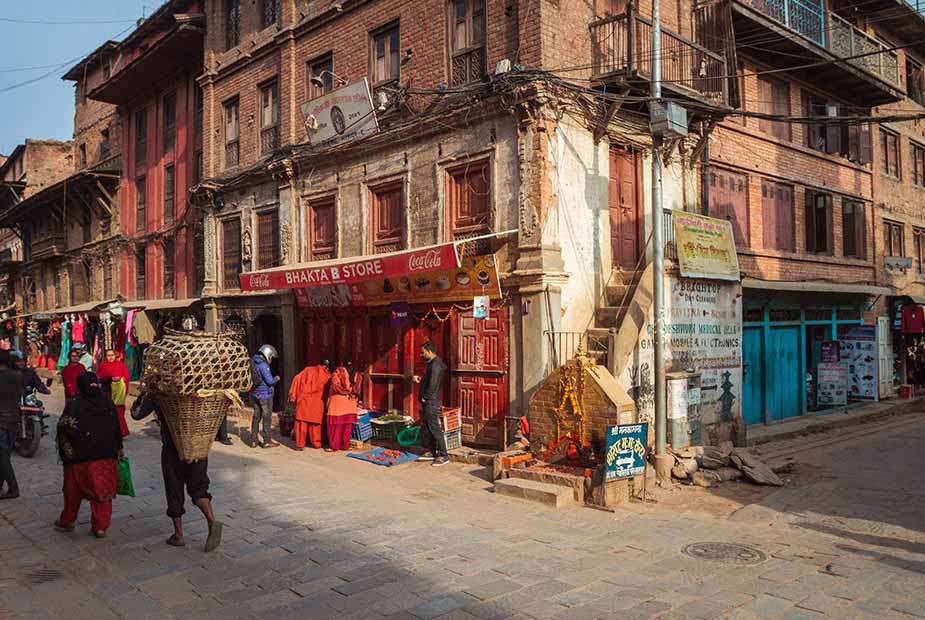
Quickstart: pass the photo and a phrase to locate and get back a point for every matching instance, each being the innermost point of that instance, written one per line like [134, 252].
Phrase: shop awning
[815, 287]
[160, 304]
[79, 308]
[353, 270]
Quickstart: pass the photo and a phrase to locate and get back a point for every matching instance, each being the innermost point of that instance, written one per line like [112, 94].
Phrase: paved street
[320, 536]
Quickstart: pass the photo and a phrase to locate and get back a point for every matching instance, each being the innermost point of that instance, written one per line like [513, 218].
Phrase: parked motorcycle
[31, 426]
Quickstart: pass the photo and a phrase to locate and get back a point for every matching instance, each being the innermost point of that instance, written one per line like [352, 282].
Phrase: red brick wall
[91, 118]
[46, 163]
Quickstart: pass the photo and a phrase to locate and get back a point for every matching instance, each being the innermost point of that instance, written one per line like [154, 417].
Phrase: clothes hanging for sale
[142, 328]
[129, 327]
[133, 361]
[913, 319]
[77, 330]
[65, 344]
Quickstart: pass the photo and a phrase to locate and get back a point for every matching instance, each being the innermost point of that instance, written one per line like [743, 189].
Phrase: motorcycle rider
[30, 378]
[11, 389]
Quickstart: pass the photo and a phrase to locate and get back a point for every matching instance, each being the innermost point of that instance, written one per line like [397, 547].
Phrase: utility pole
[662, 467]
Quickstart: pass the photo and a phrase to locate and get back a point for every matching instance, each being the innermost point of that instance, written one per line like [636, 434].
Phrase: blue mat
[378, 457]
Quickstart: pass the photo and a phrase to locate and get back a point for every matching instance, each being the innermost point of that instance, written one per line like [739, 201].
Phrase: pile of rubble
[706, 466]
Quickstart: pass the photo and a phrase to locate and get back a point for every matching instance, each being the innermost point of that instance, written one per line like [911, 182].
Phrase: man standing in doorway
[262, 395]
[430, 394]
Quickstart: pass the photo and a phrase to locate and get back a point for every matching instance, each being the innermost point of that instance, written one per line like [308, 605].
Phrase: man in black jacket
[430, 394]
[11, 387]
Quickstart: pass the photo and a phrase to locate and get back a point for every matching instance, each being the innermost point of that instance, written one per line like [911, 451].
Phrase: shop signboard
[706, 247]
[858, 353]
[832, 388]
[480, 306]
[474, 276]
[830, 352]
[626, 450]
[341, 115]
[413, 264]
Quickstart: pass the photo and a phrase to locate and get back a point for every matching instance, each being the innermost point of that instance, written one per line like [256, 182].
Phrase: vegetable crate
[453, 439]
[388, 431]
[450, 419]
[362, 429]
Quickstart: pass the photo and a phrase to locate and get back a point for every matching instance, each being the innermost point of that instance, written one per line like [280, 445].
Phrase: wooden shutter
[469, 197]
[231, 253]
[833, 142]
[268, 239]
[777, 216]
[810, 221]
[866, 147]
[860, 223]
[729, 201]
[829, 233]
[323, 229]
[388, 219]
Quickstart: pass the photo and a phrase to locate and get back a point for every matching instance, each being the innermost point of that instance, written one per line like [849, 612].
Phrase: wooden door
[753, 379]
[623, 201]
[783, 373]
[439, 333]
[480, 377]
[387, 365]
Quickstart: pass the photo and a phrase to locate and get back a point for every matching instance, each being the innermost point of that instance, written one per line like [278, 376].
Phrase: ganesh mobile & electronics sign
[706, 246]
[626, 450]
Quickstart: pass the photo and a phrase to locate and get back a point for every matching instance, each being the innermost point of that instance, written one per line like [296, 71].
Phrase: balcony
[905, 19]
[622, 54]
[824, 38]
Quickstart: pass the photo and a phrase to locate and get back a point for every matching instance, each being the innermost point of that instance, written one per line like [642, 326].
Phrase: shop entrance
[269, 330]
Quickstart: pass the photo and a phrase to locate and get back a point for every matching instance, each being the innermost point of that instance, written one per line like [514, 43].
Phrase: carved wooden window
[141, 204]
[469, 201]
[388, 218]
[169, 272]
[466, 19]
[231, 253]
[322, 228]
[169, 192]
[232, 133]
[232, 23]
[268, 247]
[269, 117]
[271, 14]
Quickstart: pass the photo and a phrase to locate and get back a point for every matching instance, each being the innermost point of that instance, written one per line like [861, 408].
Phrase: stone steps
[552, 495]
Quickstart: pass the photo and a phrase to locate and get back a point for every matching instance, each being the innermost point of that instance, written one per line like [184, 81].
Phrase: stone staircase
[609, 315]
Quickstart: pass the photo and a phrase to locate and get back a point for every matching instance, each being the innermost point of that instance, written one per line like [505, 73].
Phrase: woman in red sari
[114, 377]
[89, 444]
[342, 408]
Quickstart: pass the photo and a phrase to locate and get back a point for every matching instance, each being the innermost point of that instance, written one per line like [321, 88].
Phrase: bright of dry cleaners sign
[626, 450]
[706, 247]
[424, 260]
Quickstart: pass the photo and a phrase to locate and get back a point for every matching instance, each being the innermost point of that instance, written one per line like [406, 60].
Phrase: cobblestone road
[320, 536]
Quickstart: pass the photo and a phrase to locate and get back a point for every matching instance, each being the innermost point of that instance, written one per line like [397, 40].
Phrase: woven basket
[183, 363]
[193, 422]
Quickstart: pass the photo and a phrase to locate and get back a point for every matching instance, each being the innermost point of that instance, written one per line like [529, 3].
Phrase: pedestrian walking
[11, 387]
[342, 407]
[70, 372]
[89, 444]
[262, 395]
[307, 392]
[114, 377]
[179, 475]
[430, 395]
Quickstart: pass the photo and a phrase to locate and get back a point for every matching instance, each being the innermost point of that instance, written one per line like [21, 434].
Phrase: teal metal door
[784, 384]
[753, 381]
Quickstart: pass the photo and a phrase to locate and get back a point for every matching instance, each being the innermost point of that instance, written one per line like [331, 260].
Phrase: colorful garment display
[65, 345]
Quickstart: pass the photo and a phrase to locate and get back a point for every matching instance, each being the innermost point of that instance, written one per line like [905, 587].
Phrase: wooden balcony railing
[269, 139]
[622, 44]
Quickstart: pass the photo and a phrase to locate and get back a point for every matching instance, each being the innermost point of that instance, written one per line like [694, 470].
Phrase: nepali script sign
[341, 115]
[423, 260]
[706, 247]
[626, 450]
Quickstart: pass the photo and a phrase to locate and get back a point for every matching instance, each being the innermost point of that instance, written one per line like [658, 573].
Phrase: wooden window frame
[918, 244]
[170, 193]
[890, 144]
[464, 50]
[141, 204]
[235, 282]
[894, 231]
[813, 202]
[857, 233]
[232, 23]
[384, 245]
[918, 164]
[915, 81]
[455, 229]
[170, 272]
[170, 121]
[769, 241]
[317, 67]
[269, 131]
[268, 19]
[717, 172]
[274, 250]
[771, 106]
[141, 136]
[390, 34]
[141, 272]
[315, 252]
[232, 144]
[82, 154]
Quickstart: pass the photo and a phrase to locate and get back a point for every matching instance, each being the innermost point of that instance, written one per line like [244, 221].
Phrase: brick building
[151, 80]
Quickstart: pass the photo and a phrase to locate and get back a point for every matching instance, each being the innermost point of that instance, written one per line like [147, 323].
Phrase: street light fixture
[317, 80]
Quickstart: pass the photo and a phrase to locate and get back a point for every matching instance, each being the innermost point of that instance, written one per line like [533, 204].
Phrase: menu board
[858, 353]
[832, 385]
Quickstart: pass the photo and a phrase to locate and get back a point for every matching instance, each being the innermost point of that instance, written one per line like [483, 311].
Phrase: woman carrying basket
[89, 444]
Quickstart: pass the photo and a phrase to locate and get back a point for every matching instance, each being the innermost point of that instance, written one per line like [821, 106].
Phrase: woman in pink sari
[114, 376]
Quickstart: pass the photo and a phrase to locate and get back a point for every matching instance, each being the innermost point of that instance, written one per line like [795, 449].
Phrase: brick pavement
[320, 536]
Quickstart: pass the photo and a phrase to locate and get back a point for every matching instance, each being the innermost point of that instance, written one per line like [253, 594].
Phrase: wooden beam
[103, 191]
[612, 109]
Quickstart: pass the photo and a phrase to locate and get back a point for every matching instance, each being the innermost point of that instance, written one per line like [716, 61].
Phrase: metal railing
[269, 139]
[671, 247]
[917, 5]
[565, 345]
[809, 19]
[622, 44]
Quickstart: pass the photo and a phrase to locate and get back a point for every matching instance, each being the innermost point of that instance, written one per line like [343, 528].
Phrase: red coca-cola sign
[361, 269]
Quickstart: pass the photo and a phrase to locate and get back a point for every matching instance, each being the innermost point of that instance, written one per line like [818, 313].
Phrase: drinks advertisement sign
[706, 246]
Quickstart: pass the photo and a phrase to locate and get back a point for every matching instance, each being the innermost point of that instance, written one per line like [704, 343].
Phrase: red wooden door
[480, 377]
[387, 365]
[623, 200]
[439, 333]
[320, 340]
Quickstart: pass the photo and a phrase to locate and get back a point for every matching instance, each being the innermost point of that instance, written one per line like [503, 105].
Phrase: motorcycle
[31, 426]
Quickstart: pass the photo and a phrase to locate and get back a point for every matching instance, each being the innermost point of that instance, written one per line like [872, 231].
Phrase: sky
[45, 109]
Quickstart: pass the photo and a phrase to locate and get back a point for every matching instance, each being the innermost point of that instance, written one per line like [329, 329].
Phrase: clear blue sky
[45, 109]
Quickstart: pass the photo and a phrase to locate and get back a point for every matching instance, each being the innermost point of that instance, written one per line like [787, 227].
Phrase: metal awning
[160, 304]
[815, 287]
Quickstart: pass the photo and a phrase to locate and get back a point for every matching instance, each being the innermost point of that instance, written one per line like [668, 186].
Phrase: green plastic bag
[125, 478]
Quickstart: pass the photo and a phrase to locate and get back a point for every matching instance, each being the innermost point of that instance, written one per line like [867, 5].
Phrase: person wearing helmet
[85, 358]
[262, 394]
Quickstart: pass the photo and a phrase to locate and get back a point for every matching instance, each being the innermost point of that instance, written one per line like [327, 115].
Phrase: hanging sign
[480, 306]
[706, 246]
[400, 314]
[341, 115]
[626, 450]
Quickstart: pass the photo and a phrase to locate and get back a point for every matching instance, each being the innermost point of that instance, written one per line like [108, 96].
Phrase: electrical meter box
[668, 119]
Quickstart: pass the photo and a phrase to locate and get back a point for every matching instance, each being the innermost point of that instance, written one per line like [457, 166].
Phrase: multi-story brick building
[151, 78]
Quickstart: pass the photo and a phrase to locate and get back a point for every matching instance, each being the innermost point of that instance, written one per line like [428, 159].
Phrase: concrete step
[606, 316]
[552, 495]
[615, 294]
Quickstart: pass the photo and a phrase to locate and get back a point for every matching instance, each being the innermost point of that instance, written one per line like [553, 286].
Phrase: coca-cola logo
[426, 261]
[259, 281]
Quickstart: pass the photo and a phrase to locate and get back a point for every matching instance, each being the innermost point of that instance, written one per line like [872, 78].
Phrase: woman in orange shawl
[114, 377]
[342, 408]
[307, 392]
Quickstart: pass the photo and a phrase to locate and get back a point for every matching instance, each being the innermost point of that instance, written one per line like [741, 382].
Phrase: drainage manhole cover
[729, 553]
[43, 575]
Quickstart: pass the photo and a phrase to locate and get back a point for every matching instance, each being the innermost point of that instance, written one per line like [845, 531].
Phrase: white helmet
[268, 351]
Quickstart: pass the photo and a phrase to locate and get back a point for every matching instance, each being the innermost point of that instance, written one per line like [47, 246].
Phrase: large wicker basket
[193, 377]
